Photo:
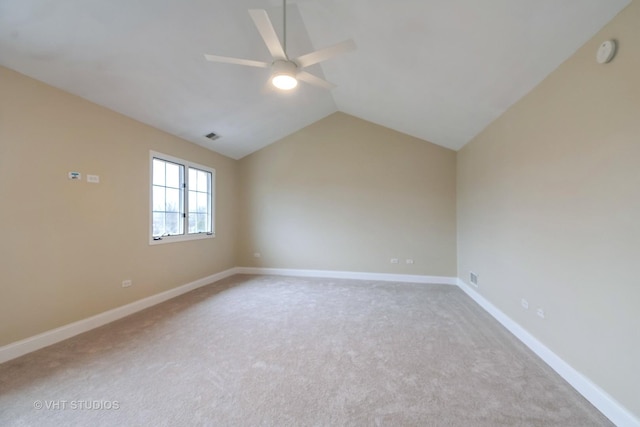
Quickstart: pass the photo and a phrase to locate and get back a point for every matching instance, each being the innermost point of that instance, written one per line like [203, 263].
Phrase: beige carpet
[276, 351]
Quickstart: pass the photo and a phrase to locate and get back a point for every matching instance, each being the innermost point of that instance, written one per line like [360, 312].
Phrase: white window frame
[185, 194]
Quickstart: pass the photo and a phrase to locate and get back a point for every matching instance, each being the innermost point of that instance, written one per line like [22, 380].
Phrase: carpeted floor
[279, 351]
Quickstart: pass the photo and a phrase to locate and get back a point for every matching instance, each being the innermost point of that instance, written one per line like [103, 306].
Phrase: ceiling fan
[286, 72]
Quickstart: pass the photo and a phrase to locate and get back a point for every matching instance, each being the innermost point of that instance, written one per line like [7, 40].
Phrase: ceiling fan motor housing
[282, 67]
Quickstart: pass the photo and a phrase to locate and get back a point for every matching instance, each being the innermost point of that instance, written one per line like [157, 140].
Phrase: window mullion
[183, 198]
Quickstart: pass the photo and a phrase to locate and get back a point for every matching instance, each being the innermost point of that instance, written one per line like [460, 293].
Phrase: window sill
[181, 238]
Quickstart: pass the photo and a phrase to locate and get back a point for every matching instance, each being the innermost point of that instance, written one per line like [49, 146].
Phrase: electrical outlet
[127, 283]
[409, 261]
[524, 303]
[257, 254]
[394, 260]
[540, 313]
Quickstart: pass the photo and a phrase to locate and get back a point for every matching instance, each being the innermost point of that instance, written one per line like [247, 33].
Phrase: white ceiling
[440, 70]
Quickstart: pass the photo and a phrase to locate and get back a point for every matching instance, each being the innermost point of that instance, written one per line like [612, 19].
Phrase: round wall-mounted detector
[606, 52]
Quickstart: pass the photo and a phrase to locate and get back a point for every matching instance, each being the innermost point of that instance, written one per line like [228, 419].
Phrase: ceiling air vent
[212, 136]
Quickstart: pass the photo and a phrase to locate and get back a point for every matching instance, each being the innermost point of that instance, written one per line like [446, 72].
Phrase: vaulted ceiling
[440, 70]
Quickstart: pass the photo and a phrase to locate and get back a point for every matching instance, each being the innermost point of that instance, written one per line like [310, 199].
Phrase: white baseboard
[36, 342]
[403, 278]
[599, 398]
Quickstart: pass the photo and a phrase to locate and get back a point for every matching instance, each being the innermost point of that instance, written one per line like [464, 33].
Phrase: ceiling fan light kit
[285, 72]
[284, 75]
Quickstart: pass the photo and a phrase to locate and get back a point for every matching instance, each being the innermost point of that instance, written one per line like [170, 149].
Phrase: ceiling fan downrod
[284, 28]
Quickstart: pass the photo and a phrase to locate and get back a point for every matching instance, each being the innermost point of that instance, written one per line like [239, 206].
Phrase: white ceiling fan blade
[265, 28]
[316, 81]
[238, 61]
[326, 53]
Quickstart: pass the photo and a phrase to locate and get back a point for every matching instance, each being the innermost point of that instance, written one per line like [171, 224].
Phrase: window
[182, 200]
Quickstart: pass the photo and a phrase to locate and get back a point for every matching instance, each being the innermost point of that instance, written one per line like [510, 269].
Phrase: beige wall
[549, 210]
[66, 246]
[345, 194]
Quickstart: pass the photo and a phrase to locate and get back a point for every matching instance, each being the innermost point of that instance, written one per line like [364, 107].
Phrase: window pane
[158, 198]
[158, 224]
[197, 227]
[203, 181]
[173, 175]
[199, 223]
[173, 200]
[193, 179]
[202, 223]
[192, 223]
[173, 223]
[202, 203]
[158, 172]
[193, 201]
